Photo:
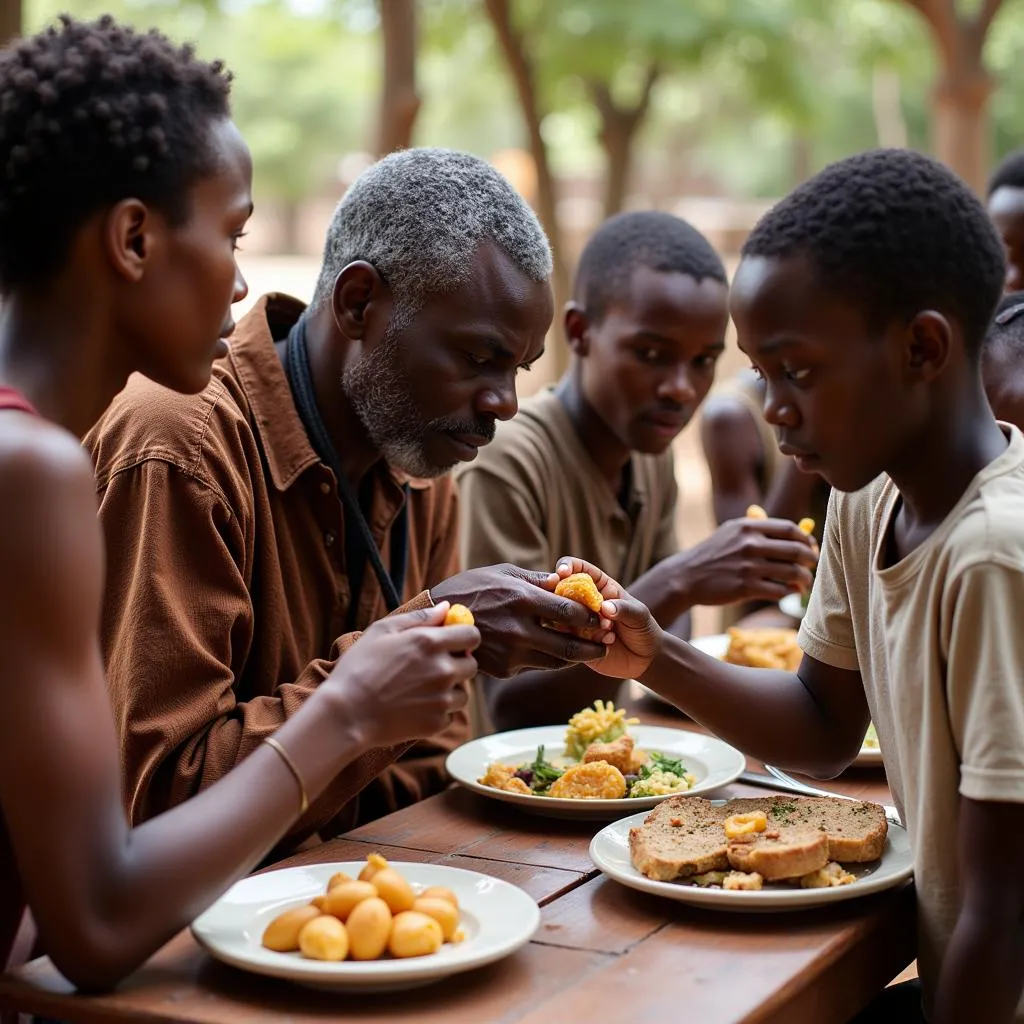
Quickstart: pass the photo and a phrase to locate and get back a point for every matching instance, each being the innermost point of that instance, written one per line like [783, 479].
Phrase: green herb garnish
[659, 762]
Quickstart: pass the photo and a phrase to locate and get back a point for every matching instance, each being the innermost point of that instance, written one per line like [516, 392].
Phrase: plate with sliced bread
[765, 854]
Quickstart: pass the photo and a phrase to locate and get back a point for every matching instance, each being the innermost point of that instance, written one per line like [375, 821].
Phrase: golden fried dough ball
[597, 780]
[414, 934]
[806, 525]
[394, 890]
[459, 615]
[324, 938]
[756, 512]
[369, 928]
[441, 911]
[374, 863]
[441, 893]
[282, 934]
[580, 587]
[342, 899]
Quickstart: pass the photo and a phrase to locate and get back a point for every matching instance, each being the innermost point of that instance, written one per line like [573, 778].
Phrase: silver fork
[792, 785]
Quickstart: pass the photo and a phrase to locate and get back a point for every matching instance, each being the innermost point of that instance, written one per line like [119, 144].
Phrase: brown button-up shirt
[227, 595]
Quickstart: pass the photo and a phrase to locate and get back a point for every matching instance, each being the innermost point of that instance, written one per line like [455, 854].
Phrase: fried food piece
[737, 825]
[764, 648]
[580, 587]
[756, 512]
[503, 776]
[459, 615]
[282, 934]
[749, 881]
[374, 863]
[709, 878]
[806, 525]
[831, 875]
[619, 753]
[596, 780]
[324, 938]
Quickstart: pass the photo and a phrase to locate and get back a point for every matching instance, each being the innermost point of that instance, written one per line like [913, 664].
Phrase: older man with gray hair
[254, 529]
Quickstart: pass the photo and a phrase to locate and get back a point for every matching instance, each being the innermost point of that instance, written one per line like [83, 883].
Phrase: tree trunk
[291, 224]
[890, 125]
[10, 20]
[400, 102]
[961, 117]
[521, 69]
[619, 126]
[802, 158]
[962, 125]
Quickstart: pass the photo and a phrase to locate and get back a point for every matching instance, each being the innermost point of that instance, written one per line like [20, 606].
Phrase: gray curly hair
[419, 217]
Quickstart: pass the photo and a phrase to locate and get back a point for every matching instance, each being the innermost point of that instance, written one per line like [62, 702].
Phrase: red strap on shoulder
[11, 399]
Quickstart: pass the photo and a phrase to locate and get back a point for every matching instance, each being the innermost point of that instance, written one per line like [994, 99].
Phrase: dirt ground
[297, 276]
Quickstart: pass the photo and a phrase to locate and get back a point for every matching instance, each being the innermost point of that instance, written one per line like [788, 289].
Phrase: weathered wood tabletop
[602, 953]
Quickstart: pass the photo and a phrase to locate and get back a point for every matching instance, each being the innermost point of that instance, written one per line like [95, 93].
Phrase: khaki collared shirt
[535, 494]
[227, 594]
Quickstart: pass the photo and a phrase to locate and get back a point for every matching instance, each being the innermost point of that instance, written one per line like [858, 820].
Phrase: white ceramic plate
[713, 762]
[497, 918]
[609, 851]
[793, 606]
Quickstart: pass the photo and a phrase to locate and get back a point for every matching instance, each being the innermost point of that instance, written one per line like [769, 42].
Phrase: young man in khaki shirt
[255, 528]
[864, 298]
[588, 468]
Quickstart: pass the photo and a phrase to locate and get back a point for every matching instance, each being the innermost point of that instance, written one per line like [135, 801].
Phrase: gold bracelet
[286, 757]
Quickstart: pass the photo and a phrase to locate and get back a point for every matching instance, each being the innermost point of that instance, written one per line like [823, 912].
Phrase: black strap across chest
[358, 538]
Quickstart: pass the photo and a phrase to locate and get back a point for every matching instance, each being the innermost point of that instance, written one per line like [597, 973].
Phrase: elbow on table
[96, 958]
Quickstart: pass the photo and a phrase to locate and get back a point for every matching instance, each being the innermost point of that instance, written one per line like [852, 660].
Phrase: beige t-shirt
[938, 641]
[534, 494]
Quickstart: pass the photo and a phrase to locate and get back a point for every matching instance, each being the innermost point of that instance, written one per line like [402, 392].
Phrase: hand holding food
[523, 624]
[460, 615]
[401, 679]
[365, 918]
[750, 559]
[636, 638]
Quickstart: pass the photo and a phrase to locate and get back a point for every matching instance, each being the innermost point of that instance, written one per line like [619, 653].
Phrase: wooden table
[603, 953]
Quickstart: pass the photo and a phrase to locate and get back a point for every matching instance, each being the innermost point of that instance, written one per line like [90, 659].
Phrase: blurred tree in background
[592, 106]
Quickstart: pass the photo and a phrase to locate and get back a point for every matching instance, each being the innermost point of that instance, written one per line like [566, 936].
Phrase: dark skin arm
[735, 456]
[810, 721]
[982, 974]
[106, 897]
[744, 559]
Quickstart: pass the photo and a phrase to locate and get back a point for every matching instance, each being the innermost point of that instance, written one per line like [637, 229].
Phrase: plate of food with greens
[601, 765]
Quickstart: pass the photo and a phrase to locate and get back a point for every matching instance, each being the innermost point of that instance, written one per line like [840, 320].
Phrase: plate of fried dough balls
[367, 926]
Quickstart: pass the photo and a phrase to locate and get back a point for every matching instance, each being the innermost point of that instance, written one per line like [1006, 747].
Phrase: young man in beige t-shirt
[587, 467]
[863, 298]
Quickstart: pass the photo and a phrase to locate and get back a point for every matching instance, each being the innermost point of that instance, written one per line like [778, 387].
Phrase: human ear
[577, 329]
[360, 298]
[929, 343]
[130, 236]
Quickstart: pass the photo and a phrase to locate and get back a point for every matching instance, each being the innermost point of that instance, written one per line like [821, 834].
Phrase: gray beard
[380, 395]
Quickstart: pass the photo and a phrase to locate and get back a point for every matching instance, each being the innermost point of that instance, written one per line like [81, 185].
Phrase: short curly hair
[895, 233]
[645, 238]
[92, 113]
[1009, 172]
[419, 216]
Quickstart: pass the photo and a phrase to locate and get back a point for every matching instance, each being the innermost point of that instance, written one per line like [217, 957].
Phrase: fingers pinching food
[581, 588]
[459, 615]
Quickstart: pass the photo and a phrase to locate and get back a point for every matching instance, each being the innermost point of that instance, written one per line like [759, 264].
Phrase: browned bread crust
[685, 836]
